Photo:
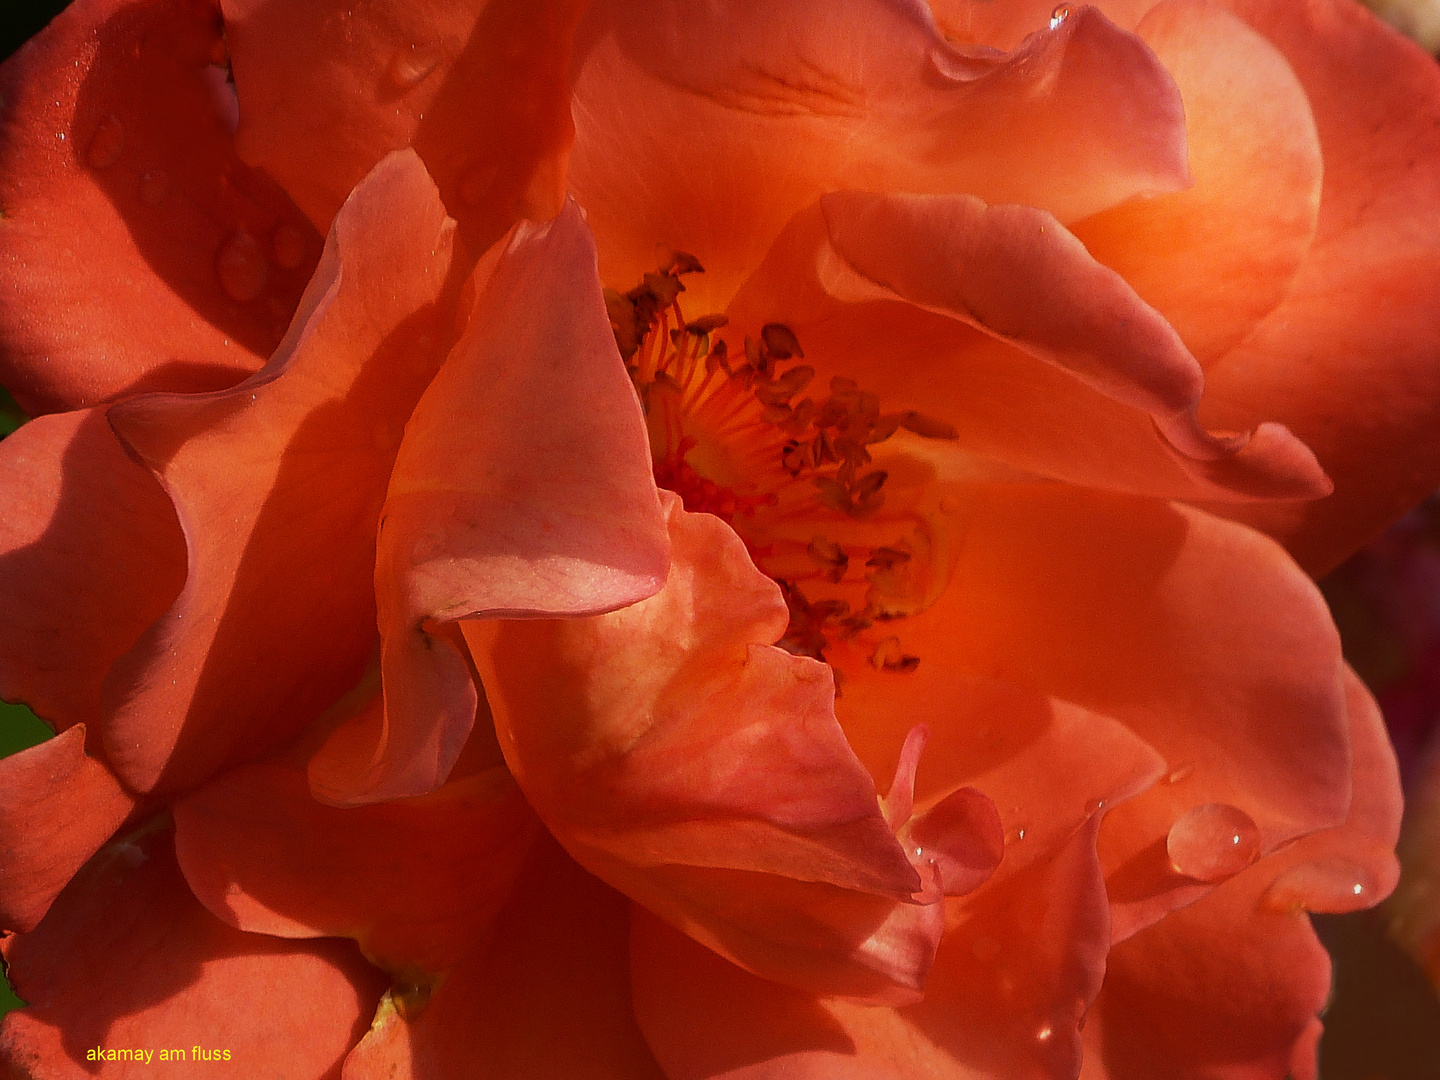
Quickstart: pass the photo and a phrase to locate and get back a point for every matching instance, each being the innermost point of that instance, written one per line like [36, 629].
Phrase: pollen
[758, 439]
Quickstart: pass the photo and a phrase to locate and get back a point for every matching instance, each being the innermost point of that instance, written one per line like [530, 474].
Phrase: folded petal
[128, 959]
[546, 996]
[278, 484]
[1003, 26]
[1349, 360]
[996, 320]
[1229, 987]
[478, 88]
[682, 758]
[522, 489]
[1009, 989]
[1217, 258]
[417, 882]
[706, 127]
[57, 806]
[92, 555]
[136, 251]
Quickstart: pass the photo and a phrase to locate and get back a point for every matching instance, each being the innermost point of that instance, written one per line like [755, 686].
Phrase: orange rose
[603, 533]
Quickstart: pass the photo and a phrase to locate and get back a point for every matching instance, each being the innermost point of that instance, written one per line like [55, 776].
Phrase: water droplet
[1045, 1033]
[411, 65]
[1059, 15]
[1333, 886]
[241, 267]
[107, 144]
[919, 852]
[1094, 806]
[1181, 773]
[1213, 842]
[154, 187]
[289, 245]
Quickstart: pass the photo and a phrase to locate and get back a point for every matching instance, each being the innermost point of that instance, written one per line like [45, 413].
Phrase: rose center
[746, 438]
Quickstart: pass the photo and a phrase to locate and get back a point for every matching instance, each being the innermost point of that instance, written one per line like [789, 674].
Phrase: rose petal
[92, 556]
[889, 290]
[479, 89]
[1200, 635]
[124, 210]
[1349, 359]
[57, 806]
[1217, 258]
[128, 959]
[706, 128]
[278, 484]
[416, 882]
[1230, 986]
[547, 996]
[1009, 988]
[684, 760]
[522, 488]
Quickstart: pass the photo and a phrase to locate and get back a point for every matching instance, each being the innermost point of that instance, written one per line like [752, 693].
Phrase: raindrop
[1045, 1034]
[1213, 842]
[1094, 806]
[154, 187]
[410, 66]
[1330, 885]
[1059, 15]
[241, 267]
[107, 144]
[289, 245]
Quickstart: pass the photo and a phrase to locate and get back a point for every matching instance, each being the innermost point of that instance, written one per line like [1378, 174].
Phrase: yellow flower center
[791, 471]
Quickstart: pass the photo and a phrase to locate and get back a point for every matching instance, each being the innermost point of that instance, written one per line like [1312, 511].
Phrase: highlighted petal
[700, 770]
[1351, 359]
[57, 806]
[92, 556]
[120, 195]
[478, 88]
[546, 996]
[416, 882]
[890, 290]
[707, 128]
[1218, 258]
[278, 484]
[128, 958]
[522, 488]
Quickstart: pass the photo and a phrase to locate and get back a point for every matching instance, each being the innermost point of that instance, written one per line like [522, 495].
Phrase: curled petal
[57, 806]
[76, 502]
[697, 768]
[1070, 374]
[127, 958]
[478, 88]
[278, 485]
[137, 252]
[1350, 361]
[546, 995]
[689, 119]
[1006, 997]
[522, 489]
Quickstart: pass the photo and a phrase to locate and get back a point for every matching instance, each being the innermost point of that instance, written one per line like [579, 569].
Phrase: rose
[1071, 637]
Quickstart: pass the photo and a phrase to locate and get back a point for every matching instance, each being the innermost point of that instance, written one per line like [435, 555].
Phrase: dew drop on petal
[241, 267]
[1094, 806]
[1181, 773]
[107, 144]
[1328, 885]
[154, 187]
[289, 245]
[411, 65]
[1059, 15]
[1213, 842]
